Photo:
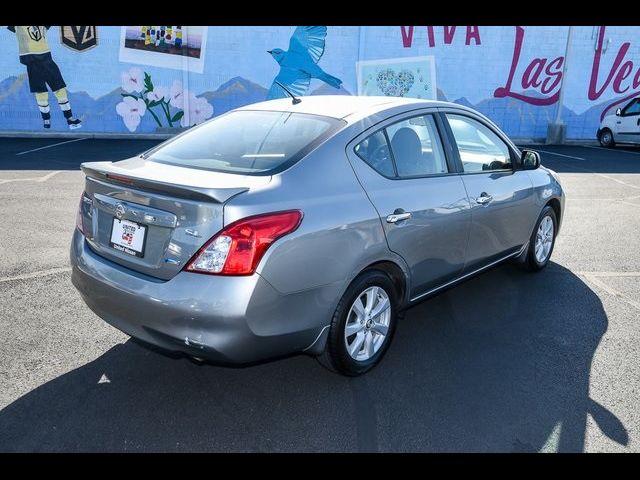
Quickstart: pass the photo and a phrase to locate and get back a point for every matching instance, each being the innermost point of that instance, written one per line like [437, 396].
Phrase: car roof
[348, 107]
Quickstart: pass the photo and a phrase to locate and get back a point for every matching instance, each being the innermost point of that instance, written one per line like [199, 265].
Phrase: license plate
[128, 237]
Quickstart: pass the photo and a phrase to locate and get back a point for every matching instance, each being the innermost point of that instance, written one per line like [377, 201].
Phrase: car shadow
[499, 363]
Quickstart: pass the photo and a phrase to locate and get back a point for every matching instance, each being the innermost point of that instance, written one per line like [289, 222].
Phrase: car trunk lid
[166, 211]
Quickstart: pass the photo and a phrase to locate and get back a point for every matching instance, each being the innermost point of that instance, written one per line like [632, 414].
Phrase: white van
[623, 127]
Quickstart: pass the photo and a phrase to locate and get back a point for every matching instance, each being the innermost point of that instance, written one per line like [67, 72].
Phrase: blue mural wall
[140, 79]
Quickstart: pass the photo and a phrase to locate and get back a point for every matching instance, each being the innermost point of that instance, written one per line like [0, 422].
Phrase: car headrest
[406, 145]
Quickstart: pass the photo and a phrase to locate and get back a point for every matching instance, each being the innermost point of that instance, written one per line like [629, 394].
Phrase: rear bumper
[228, 320]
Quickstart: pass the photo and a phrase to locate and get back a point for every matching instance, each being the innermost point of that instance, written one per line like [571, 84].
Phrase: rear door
[406, 172]
[628, 123]
[500, 193]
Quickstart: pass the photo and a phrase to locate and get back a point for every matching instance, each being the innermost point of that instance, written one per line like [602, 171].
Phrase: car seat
[407, 151]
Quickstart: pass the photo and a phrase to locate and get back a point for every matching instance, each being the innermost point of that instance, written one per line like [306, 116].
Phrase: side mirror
[530, 159]
[618, 112]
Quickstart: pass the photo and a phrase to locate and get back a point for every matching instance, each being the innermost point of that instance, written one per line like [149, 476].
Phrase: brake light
[120, 178]
[238, 248]
[79, 216]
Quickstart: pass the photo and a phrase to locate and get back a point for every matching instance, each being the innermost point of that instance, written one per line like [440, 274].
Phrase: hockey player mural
[42, 71]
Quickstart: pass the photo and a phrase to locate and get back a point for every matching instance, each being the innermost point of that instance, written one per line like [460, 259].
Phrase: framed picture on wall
[168, 46]
[413, 77]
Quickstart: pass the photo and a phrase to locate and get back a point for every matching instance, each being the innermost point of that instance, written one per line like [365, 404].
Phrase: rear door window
[375, 151]
[406, 149]
[416, 147]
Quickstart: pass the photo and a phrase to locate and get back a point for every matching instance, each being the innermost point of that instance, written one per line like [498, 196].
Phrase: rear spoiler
[105, 171]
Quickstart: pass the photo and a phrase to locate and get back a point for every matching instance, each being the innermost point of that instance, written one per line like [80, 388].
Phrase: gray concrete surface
[508, 361]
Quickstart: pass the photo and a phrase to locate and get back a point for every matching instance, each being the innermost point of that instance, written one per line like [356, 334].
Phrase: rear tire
[362, 326]
[542, 240]
[606, 138]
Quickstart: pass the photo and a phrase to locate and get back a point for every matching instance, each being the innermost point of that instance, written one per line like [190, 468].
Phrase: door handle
[398, 217]
[638, 122]
[618, 122]
[484, 198]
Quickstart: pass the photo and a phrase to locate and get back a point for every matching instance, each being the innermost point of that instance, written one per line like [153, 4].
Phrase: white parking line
[617, 150]
[553, 441]
[42, 273]
[560, 154]
[42, 179]
[54, 145]
[47, 176]
[621, 182]
[608, 177]
[593, 277]
[611, 274]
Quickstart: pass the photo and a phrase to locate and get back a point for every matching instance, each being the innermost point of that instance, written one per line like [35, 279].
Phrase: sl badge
[79, 38]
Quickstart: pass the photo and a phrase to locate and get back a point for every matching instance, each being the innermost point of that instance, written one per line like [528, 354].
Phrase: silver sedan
[306, 225]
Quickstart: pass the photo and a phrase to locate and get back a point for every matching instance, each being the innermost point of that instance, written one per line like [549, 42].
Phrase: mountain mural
[17, 103]
[518, 119]
[523, 120]
[235, 93]
[97, 115]
[463, 101]
[325, 89]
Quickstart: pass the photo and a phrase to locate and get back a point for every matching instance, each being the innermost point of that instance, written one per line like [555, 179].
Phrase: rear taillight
[80, 216]
[84, 209]
[239, 247]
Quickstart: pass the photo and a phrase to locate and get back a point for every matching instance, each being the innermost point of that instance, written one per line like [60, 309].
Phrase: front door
[501, 196]
[421, 201]
[628, 123]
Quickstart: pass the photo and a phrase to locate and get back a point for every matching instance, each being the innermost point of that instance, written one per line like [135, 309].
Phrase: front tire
[606, 138]
[542, 240]
[362, 326]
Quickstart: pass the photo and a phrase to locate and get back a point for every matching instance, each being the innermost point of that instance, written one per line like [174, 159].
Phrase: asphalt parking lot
[508, 361]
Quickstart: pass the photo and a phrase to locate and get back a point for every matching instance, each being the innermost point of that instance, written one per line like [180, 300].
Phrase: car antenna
[294, 100]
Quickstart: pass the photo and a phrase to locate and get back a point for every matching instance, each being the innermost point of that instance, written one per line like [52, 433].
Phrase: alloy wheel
[544, 239]
[367, 323]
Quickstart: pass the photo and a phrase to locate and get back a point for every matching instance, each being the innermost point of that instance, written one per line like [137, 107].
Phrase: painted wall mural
[165, 46]
[78, 38]
[299, 64]
[43, 72]
[413, 77]
[169, 107]
[146, 79]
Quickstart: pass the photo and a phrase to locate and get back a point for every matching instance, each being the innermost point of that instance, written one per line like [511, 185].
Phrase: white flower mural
[140, 95]
[131, 109]
[158, 94]
[132, 80]
[197, 111]
[176, 94]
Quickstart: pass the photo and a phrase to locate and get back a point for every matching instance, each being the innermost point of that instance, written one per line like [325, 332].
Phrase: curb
[165, 136]
[93, 135]
[542, 141]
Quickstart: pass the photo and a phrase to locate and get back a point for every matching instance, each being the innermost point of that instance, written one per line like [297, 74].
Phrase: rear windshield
[247, 142]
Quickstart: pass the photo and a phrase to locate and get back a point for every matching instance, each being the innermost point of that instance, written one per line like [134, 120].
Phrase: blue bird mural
[299, 64]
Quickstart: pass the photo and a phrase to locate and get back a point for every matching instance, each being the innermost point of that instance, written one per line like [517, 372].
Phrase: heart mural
[394, 84]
